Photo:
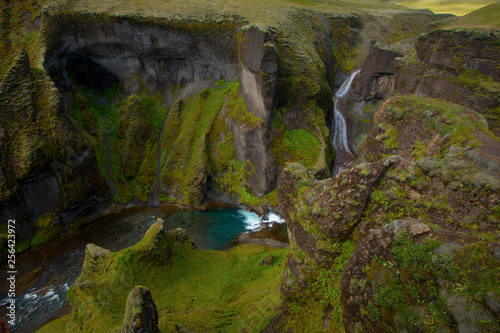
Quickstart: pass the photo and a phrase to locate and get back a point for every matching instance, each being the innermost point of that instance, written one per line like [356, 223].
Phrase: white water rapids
[343, 154]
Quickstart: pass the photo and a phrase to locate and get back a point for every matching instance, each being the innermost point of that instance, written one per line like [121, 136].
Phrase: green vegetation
[200, 290]
[457, 7]
[14, 36]
[302, 145]
[485, 17]
[389, 137]
[310, 307]
[124, 134]
[202, 145]
[411, 287]
[477, 81]
[458, 123]
[48, 227]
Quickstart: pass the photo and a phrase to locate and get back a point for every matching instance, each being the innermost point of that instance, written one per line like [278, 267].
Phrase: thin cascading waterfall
[340, 138]
[343, 154]
[156, 194]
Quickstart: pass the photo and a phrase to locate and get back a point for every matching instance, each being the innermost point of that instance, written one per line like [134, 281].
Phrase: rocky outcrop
[97, 50]
[258, 70]
[376, 80]
[458, 66]
[104, 271]
[136, 130]
[33, 128]
[183, 58]
[433, 173]
[141, 315]
[396, 278]
[454, 50]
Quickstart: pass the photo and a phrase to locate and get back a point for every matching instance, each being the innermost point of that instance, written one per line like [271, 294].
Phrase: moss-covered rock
[191, 288]
[418, 280]
[34, 128]
[461, 67]
[141, 315]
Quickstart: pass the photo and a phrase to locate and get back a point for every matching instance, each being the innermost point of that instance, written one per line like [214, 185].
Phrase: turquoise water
[63, 259]
[213, 229]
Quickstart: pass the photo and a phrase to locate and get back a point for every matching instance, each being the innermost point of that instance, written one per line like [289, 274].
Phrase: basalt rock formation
[457, 65]
[166, 103]
[141, 315]
[426, 165]
[117, 103]
[47, 164]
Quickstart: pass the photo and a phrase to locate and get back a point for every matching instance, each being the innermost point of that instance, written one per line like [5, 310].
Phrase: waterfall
[343, 154]
[156, 193]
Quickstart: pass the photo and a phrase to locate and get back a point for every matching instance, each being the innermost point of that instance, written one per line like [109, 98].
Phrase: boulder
[141, 315]
[377, 74]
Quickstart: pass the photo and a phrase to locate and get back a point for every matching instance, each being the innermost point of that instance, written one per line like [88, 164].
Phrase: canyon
[371, 128]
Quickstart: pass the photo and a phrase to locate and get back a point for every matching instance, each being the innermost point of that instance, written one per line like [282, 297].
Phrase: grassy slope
[457, 7]
[199, 290]
[260, 12]
[486, 17]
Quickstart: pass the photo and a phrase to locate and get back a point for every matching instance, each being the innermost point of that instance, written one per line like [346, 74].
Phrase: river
[44, 298]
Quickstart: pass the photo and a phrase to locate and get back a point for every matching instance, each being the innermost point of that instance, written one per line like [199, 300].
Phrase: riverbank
[46, 272]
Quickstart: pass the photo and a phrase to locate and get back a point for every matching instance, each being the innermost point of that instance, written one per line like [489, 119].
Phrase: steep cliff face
[428, 161]
[37, 176]
[459, 66]
[177, 102]
[215, 142]
[429, 170]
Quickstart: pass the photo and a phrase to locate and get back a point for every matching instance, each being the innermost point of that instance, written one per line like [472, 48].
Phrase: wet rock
[37, 272]
[117, 209]
[377, 74]
[141, 315]
[493, 302]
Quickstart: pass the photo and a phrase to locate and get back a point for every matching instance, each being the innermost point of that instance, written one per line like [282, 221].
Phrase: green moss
[321, 299]
[272, 198]
[45, 229]
[209, 290]
[419, 151]
[411, 281]
[389, 137]
[298, 146]
[234, 180]
[202, 144]
[125, 136]
[475, 80]
[456, 120]
[238, 110]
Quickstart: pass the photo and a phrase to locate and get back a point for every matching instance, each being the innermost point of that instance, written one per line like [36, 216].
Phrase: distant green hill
[457, 7]
[486, 17]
